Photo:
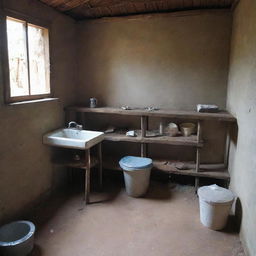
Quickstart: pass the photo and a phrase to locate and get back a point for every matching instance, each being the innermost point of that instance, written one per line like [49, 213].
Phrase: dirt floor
[164, 223]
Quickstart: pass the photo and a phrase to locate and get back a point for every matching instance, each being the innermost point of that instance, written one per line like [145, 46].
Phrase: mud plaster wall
[241, 101]
[26, 171]
[116, 59]
[168, 61]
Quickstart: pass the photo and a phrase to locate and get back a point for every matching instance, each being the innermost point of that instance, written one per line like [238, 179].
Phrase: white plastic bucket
[137, 181]
[17, 238]
[215, 204]
[136, 174]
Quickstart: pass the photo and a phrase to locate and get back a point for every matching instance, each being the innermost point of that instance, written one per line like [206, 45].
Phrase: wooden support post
[199, 131]
[199, 136]
[144, 124]
[197, 167]
[100, 164]
[226, 156]
[143, 150]
[87, 176]
[144, 127]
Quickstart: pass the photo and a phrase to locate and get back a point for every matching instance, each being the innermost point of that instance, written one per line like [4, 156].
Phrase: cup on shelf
[187, 129]
[93, 102]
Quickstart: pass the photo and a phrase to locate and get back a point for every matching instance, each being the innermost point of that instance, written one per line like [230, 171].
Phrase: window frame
[5, 58]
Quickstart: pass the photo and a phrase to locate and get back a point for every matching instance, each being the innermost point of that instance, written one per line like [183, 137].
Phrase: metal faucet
[74, 125]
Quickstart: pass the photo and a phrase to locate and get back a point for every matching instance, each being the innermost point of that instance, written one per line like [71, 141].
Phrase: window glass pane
[38, 45]
[18, 66]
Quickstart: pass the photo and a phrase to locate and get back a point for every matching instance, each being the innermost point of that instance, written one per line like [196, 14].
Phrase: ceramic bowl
[171, 129]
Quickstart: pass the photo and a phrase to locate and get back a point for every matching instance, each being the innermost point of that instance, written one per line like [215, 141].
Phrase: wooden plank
[70, 4]
[145, 16]
[192, 172]
[186, 165]
[65, 5]
[167, 140]
[168, 113]
[112, 164]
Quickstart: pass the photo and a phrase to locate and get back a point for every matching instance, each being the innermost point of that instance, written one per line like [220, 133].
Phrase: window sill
[33, 101]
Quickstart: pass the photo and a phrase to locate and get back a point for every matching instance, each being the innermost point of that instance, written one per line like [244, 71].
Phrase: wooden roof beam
[68, 5]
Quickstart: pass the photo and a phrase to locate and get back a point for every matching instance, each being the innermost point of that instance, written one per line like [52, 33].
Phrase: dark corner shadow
[49, 207]
[107, 194]
[158, 191]
[234, 221]
[37, 251]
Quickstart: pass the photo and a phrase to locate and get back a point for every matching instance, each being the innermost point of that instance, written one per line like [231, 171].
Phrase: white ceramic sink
[73, 138]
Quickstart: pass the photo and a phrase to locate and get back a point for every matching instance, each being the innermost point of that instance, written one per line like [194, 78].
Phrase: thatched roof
[87, 9]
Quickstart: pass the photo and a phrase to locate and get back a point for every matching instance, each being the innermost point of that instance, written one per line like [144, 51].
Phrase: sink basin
[73, 138]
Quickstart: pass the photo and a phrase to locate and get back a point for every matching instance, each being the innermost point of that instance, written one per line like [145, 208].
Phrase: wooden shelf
[220, 174]
[112, 164]
[167, 140]
[79, 164]
[144, 140]
[168, 113]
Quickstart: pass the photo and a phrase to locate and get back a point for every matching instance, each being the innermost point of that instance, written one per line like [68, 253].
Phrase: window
[28, 61]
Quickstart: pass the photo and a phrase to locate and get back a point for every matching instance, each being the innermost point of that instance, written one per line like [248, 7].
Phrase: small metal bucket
[17, 238]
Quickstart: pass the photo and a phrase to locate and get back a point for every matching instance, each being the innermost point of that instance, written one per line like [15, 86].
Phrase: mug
[93, 102]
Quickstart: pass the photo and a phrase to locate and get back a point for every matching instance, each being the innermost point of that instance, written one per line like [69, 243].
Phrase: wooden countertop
[168, 113]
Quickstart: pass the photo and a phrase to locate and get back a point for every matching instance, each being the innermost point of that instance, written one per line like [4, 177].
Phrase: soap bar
[207, 108]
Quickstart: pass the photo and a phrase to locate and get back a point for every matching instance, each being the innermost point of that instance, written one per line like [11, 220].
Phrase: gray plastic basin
[17, 238]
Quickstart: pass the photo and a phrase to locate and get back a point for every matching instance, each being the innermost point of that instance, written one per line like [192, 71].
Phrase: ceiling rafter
[86, 9]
